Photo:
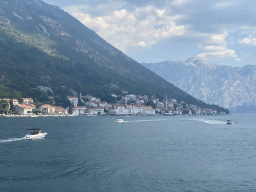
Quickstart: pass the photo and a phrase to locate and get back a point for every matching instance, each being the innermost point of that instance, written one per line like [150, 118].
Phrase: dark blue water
[142, 154]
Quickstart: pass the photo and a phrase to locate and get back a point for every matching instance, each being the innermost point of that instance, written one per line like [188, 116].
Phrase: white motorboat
[229, 122]
[120, 120]
[34, 134]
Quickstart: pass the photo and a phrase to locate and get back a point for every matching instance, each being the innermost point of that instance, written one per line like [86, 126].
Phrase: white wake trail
[12, 139]
[213, 122]
[152, 120]
[142, 121]
[40, 136]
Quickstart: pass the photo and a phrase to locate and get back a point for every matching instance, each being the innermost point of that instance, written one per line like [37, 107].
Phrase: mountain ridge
[42, 45]
[229, 87]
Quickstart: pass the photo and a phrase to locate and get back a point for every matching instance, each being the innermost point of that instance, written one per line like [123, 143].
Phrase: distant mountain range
[230, 87]
[46, 52]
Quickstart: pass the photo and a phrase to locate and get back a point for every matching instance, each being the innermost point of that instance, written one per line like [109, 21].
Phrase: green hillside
[44, 46]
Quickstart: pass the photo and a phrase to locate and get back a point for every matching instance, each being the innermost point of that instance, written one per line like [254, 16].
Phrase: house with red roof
[23, 109]
[47, 109]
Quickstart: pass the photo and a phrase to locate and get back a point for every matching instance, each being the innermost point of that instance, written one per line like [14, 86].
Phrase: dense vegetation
[4, 108]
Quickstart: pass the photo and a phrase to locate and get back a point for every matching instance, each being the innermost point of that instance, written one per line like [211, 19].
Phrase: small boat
[34, 134]
[229, 122]
[120, 120]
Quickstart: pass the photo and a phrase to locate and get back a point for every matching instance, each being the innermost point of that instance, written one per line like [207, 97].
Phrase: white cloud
[215, 48]
[217, 25]
[139, 27]
[180, 2]
[224, 4]
[218, 47]
[120, 14]
[218, 39]
[160, 12]
[142, 43]
[223, 53]
[249, 41]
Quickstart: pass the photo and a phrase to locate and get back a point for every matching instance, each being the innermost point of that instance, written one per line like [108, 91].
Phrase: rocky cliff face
[226, 86]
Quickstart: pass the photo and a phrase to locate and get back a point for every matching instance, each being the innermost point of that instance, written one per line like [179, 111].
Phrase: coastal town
[129, 104]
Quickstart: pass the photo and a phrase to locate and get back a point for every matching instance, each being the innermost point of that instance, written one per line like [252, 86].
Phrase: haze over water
[183, 153]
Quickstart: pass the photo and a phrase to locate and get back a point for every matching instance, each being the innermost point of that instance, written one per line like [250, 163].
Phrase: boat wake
[12, 139]
[213, 122]
[142, 121]
[122, 121]
[151, 120]
[23, 138]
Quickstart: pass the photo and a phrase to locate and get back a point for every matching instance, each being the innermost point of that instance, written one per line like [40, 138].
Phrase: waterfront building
[73, 100]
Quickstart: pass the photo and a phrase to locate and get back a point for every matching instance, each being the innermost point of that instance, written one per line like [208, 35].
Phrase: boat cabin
[33, 131]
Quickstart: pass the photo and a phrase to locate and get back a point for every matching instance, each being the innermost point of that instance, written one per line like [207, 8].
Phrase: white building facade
[73, 100]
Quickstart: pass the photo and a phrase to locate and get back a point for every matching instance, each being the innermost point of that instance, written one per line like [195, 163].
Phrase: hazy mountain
[41, 46]
[226, 86]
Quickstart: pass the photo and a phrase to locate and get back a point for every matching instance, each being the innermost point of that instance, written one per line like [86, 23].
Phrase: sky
[219, 31]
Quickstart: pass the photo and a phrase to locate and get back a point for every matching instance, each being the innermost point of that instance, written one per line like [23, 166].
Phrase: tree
[11, 105]
[80, 103]
[70, 111]
[151, 103]
[66, 103]
[49, 93]
[36, 111]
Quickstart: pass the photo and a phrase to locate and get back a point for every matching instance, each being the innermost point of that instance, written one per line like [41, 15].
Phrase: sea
[141, 154]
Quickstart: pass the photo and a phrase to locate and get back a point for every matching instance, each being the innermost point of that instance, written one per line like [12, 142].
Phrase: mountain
[226, 86]
[46, 52]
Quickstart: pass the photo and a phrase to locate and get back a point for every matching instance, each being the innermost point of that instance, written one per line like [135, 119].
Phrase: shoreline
[70, 115]
[36, 115]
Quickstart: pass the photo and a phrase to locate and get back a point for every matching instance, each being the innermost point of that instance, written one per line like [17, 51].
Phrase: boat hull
[37, 136]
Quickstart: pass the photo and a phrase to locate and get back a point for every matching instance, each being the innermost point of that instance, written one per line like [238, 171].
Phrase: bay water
[143, 153]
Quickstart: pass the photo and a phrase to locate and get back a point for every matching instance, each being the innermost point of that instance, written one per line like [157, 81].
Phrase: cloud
[224, 4]
[218, 28]
[215, 48]
[249, 41]
[224, 53]
[219, 39]
[142, 43]
[218, 47]
[140, 27]
[180, 2]
[97, 8]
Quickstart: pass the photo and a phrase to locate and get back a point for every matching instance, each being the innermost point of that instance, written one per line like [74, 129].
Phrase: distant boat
[34, 134]
[120, 120]
[229, 122]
